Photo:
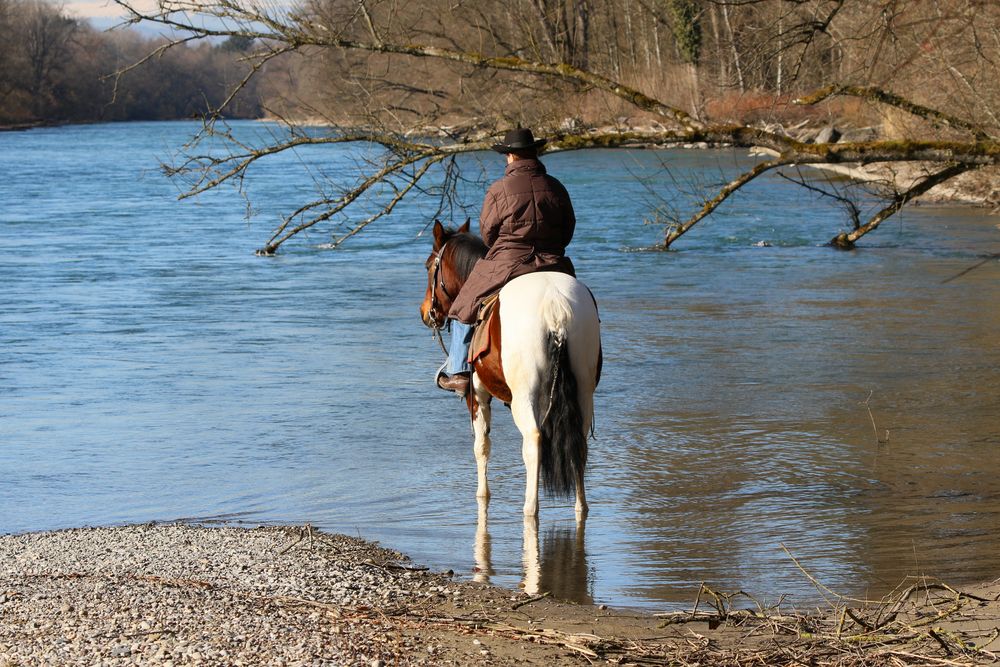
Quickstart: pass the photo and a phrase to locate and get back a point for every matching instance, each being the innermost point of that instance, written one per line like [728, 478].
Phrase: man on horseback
[526, 222]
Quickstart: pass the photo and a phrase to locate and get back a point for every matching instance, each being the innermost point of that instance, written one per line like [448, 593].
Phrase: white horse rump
[550, 349]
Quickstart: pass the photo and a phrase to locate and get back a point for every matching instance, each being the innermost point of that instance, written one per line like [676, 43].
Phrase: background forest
[726, 60]
[55, 68]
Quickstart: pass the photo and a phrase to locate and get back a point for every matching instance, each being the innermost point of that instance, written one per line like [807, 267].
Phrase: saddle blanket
[488, 311]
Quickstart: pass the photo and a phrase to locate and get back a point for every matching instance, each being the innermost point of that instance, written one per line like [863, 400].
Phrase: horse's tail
[563, 440]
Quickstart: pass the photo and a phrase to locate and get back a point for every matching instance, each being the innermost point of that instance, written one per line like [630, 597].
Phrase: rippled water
[844, 407]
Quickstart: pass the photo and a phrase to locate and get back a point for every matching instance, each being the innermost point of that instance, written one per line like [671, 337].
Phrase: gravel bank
[181, 594]
[185, 595]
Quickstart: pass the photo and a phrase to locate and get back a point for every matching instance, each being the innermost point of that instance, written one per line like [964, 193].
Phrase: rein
[436, 282]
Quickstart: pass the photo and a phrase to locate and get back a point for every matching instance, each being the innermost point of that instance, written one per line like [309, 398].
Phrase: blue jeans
[458, 349]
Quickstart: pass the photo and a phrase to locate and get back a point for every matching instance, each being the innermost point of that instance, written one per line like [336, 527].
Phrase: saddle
[486, 327]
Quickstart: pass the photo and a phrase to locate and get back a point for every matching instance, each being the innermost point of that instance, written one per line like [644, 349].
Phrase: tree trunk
[735, 49]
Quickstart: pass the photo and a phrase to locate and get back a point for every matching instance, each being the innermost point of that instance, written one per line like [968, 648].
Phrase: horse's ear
[464, 229]
[438, 234]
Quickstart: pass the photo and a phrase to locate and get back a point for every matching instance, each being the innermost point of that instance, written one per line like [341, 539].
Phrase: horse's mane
[467, 249]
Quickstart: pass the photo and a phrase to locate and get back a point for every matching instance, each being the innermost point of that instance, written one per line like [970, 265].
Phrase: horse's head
[455, 252]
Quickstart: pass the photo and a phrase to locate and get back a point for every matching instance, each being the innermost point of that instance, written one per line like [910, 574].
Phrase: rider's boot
[458, 383]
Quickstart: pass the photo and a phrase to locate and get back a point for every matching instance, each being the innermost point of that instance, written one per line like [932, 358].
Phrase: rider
[527, 221]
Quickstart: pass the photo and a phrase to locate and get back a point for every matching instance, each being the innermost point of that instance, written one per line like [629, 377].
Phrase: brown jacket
[527, 221]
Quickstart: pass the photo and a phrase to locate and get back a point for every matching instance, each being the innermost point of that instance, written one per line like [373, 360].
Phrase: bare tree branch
[849, 205]
[893, 100]
[677, 231]
[847, 240]
[387, 209]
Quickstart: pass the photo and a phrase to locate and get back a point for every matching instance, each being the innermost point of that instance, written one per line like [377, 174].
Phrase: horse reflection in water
[544, 361]
[557, 566]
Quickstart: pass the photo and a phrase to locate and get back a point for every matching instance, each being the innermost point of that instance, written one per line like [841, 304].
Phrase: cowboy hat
[518, 140]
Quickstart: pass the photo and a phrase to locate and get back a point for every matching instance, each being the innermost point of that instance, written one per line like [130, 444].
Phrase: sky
[106, 14]
[101, 9]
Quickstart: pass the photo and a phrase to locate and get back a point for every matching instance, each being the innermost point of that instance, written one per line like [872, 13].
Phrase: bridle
[437, 280]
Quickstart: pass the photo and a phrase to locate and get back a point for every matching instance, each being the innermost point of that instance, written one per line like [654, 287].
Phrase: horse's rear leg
[479, 407]
[587, 408]
[524, 417]
[531, 452]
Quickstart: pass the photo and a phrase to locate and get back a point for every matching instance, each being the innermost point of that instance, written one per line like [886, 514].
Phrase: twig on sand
[524, 603]
[289, 547]
[922, 658]
[819, 586]
[574, 642]
[304, 532]
[405, 568]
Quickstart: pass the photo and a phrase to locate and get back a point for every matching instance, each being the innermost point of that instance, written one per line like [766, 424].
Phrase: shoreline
[178, 594]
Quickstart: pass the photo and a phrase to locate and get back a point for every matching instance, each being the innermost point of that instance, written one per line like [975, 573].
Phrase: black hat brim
[504, 148]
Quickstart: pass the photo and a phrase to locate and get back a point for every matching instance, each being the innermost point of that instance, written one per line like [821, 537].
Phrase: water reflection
[483, 550]
[556, 565]
[563, 568]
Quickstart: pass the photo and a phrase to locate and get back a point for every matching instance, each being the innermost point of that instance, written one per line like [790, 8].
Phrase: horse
[544, 362]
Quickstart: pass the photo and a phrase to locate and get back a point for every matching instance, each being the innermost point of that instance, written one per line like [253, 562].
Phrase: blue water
[152, 368]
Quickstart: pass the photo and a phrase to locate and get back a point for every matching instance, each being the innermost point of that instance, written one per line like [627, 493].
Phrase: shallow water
[758, 403]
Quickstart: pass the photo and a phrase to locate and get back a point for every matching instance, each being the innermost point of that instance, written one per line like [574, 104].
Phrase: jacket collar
[529, 166]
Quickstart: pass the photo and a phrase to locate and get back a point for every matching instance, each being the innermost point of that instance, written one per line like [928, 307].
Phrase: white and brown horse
[546, 366]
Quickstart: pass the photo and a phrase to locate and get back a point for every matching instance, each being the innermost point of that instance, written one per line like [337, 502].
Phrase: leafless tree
[47, 36]
[7, 29]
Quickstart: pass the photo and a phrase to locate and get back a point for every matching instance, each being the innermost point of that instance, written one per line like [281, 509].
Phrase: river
[760, 402]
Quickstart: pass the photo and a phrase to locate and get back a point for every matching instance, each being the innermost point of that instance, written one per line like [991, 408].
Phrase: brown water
[152, 368]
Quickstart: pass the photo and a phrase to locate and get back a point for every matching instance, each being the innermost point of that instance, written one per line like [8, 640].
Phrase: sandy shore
[181, 594]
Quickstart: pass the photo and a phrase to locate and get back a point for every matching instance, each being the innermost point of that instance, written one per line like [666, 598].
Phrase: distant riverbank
[20, 127]
[181, 594]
